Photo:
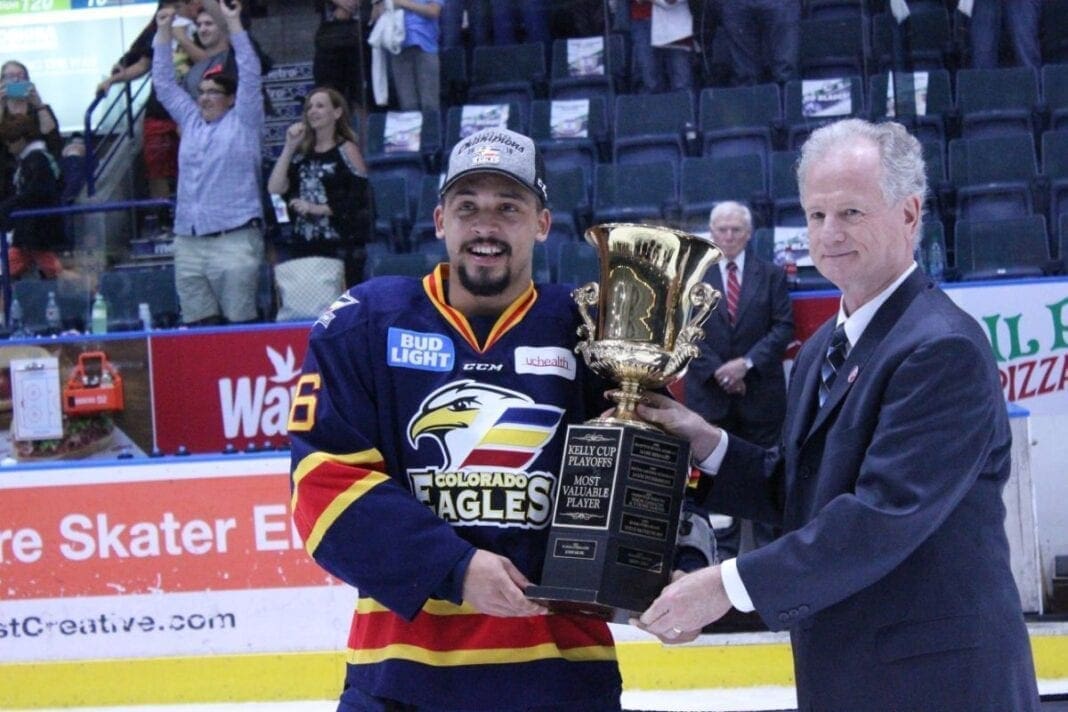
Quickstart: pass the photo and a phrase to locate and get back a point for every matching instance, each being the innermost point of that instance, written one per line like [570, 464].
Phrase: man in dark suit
[893, 573]
[737, 380]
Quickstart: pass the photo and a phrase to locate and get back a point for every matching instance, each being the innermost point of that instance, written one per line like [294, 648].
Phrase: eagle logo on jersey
[484, 427]
[489, 436]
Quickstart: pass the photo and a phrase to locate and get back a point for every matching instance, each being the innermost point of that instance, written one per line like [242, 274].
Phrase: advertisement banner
[160, 558]
[1027, 324]
[221, 387]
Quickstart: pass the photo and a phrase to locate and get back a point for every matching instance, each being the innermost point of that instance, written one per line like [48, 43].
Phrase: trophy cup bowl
[622, 482]
[651, 302]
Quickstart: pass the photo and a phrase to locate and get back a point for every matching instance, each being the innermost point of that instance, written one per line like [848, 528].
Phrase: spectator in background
[452, 18]
[323, 177]
[215, 46]
[36, 184]
[737, 379]
[160, 132]
[1021, 18]
[338, 61]
[24, 101]
[27, 102]
[509, 15]
[661, 34]
[416, 70]
[671, 35]
[218, 248]
[759, 29]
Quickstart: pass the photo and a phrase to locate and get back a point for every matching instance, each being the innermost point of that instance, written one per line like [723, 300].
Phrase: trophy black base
[578, 601]
[612, 541]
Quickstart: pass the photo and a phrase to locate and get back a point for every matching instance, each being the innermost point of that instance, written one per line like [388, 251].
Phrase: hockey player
[427, 428]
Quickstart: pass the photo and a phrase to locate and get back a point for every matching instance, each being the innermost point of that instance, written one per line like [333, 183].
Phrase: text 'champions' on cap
[498, 151]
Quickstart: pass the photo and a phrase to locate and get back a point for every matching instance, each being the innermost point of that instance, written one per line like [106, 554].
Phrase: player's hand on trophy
[675, 418]
[685, 606]
[493, 585]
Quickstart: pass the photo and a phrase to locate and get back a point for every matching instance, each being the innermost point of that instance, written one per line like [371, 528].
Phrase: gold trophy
[622, 481]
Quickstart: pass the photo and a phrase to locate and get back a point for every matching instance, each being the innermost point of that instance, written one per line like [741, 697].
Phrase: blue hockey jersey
[412, 443]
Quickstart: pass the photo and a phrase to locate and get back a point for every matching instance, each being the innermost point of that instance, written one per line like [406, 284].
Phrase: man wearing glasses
[218, 246]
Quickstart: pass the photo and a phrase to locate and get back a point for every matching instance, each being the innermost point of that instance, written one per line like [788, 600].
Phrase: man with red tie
[737, 380]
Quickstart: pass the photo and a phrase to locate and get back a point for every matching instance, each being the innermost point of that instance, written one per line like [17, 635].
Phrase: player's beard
[481, 284]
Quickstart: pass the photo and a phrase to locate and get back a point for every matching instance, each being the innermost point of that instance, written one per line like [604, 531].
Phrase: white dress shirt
[855, 324]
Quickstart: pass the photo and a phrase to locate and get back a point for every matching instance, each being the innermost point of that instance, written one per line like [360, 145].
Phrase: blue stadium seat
[1055, 94]
[634, 192]
[454, 76]
[507, 73]
[739, 120]
[927, 126]
[707, 181]
[995, 102]
[995, 249]
[785, 196]
[834, 9]
[650, 127]
[1055, 170]
[833, 48]
[569, 200]
[411, 264]
[800, 121]
[411, 165]
[423, 229]
[392, 207]
[518, 120]
[567, 152]
[993, 177]
[565, 84]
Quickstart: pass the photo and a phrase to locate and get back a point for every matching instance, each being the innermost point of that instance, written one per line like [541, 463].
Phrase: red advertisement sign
[232, 386]
[130, 533]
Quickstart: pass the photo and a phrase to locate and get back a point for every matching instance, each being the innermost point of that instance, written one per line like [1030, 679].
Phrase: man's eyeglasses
[211, 92]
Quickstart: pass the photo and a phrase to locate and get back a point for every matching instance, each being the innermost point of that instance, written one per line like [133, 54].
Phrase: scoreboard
[25, 7]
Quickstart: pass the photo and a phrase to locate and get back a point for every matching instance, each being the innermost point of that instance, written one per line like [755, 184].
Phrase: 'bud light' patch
[424, 352]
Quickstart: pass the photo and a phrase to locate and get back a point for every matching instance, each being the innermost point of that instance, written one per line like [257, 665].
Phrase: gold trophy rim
[703, 298]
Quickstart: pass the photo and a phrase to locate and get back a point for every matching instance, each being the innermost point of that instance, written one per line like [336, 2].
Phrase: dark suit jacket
[893, 575]
[764, 329]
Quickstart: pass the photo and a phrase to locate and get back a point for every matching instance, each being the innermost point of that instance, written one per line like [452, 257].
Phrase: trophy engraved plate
[622, 482]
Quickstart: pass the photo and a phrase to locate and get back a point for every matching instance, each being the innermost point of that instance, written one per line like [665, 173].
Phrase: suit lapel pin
[853, 374]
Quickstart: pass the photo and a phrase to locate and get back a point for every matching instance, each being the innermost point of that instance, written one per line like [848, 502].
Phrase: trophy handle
[585, 297]
[704, 297]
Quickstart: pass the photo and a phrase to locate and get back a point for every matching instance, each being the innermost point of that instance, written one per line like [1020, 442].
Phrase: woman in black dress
[323, 177]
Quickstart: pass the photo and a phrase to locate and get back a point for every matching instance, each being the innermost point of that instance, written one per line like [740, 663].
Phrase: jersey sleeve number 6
[305, 398]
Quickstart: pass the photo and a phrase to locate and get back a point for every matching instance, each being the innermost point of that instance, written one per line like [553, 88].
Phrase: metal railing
[114, 129]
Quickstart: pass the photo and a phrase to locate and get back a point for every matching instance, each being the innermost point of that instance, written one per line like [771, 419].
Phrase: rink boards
[181, 580]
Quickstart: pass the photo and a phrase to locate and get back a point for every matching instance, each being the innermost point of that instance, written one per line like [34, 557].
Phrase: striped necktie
[734, 290]
[836, 356]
